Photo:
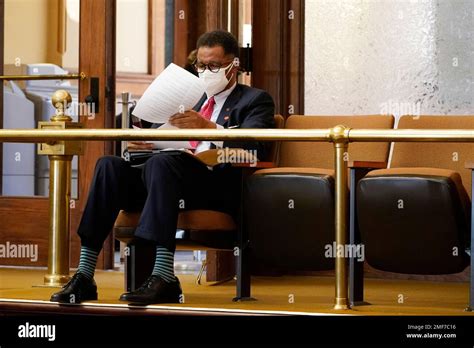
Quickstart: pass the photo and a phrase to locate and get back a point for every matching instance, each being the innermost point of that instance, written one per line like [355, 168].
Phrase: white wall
[389, 56]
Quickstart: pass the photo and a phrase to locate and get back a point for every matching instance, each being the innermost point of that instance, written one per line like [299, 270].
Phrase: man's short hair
[220, 38]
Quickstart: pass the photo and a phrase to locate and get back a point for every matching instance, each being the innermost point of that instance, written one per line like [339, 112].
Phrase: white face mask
[215, 82]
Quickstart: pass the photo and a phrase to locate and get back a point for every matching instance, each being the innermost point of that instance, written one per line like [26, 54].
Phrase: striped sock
[164, 265]
[87, 262]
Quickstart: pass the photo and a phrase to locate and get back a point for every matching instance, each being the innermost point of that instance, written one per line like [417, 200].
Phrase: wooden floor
[275, 295]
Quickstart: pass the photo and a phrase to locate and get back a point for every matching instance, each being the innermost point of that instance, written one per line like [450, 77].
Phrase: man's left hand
[190, 119]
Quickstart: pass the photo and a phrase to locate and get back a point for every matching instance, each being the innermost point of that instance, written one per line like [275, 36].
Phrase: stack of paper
[166, 144]
[175, 90]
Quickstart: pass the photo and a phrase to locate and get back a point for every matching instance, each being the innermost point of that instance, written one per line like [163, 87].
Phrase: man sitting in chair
[167, 179]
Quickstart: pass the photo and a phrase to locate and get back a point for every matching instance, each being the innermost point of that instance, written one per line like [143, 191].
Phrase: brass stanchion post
[60, 155]
[340, 137]
[125, 119]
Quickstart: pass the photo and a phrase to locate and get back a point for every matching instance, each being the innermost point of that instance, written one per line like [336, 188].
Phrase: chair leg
[128, 259]
[356, 268]
[243, 275]
[139, 261]
[243, 259]
[471, 279]
[201, 271]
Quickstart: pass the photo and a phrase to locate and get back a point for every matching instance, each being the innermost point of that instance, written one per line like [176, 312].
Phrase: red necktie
[206, 112]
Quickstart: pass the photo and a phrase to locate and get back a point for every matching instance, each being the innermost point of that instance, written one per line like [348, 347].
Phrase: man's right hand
[139, 145]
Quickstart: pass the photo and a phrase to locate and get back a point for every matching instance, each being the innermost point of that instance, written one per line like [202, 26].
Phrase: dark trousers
[166, 184]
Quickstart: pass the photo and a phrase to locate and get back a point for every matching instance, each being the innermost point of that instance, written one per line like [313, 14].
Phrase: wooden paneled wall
[278, 52]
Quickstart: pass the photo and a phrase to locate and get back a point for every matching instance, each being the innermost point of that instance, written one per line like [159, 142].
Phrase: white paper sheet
[173, 144]
[174, 90]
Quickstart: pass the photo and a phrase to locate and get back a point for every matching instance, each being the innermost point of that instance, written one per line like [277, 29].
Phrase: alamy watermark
[356, 251]
[28, 330]
[229, 155]
[20, 251]
[397, 108]
[78, 109]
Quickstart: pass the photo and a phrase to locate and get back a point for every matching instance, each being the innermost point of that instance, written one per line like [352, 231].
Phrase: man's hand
[139, 145]
[190, 119]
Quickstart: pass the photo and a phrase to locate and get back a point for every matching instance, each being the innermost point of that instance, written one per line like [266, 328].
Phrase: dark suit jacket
[246, 107]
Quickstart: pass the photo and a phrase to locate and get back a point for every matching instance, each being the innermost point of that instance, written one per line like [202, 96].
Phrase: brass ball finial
[339, 134]
[61, 100]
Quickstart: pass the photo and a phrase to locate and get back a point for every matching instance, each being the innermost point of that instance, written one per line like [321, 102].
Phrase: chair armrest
[469, 165]
[257, 165]
[367, 164]
[208, 157]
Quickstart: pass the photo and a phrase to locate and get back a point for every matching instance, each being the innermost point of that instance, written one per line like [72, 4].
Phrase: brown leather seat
[289, 210]
[422, 204]
[204, 229]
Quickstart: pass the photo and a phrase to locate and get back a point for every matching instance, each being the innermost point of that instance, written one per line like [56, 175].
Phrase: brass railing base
[56, 280]
[60, 156]
[341, 304]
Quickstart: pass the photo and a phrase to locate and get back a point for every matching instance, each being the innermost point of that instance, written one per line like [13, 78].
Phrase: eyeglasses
[212, 66]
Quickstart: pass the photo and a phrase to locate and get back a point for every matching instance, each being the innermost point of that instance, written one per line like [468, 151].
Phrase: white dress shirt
[220, 101]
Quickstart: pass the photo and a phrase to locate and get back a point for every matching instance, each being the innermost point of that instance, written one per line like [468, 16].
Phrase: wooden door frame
[2, 51]
[25, 220]
[96, 59]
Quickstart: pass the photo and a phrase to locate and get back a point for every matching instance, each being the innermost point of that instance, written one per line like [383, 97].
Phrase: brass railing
[300, 135]
[340, 136]
[61, 144]
[33, 135]
[80, 76]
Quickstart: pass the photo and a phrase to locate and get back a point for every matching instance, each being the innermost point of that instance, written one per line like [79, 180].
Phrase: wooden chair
[203, 230]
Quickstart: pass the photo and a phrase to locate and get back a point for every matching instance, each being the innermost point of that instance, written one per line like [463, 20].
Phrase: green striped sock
[87, 262]
[164, 265]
